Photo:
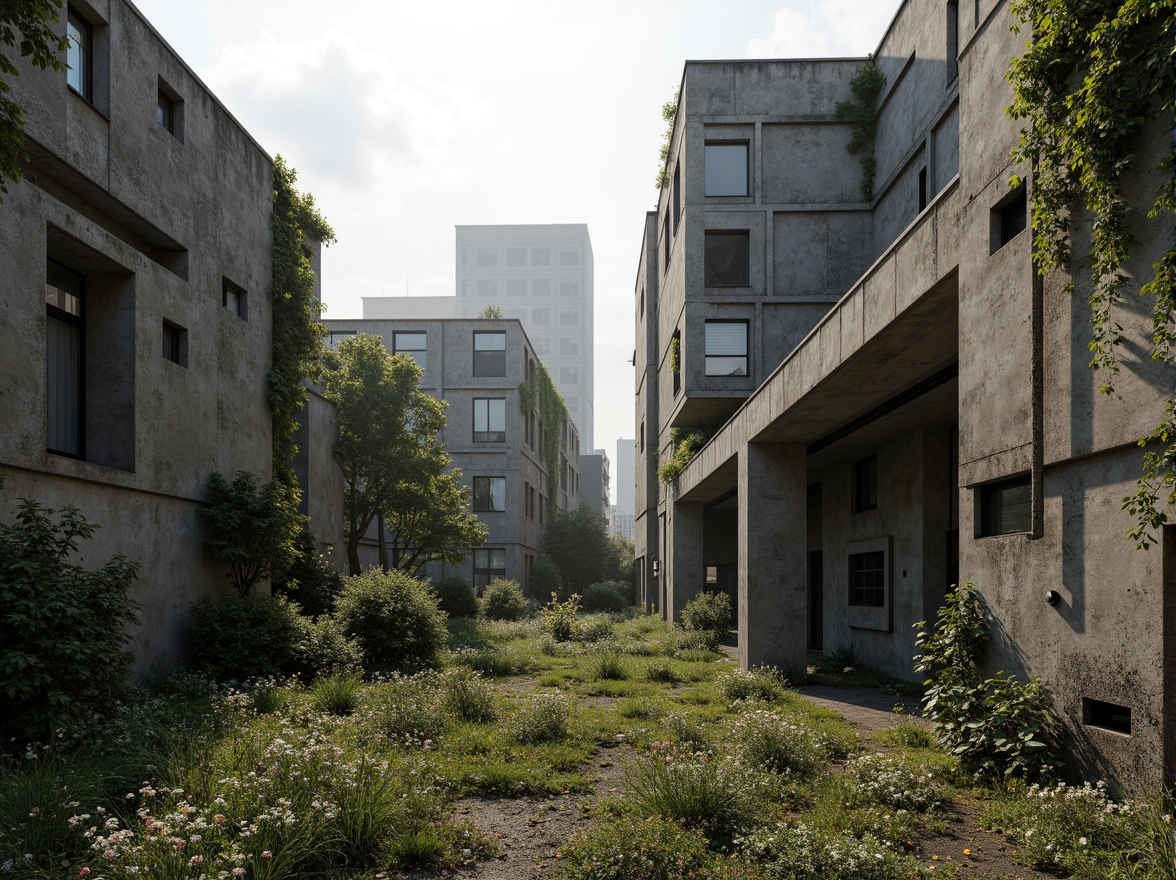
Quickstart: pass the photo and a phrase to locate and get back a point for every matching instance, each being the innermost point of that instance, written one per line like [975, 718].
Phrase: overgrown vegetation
[537, 393]
[710, 614]
[686, 443]
[1092, 77]
[862, 111]
[395, 620]
[669, 113]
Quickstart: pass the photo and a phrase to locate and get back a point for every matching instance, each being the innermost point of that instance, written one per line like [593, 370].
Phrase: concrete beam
[773, 597]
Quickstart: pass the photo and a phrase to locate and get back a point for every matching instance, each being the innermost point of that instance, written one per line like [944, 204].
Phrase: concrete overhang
[878, 365]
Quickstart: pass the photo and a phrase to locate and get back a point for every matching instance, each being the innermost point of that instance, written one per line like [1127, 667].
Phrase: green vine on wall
[1092, 75]
[676, 354]
[298, 335]
[866, 85]
[669, 113]
[539, 392]
[686, 443]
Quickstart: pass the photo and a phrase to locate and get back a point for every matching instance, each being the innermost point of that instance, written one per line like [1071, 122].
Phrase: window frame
[240, 299]
[988, 525]
[483, 498]
[729, 240]
[489, 362]
[708, 357]
[79, 32]
[707, 180]
[423, 351]
[76, 321]
[175, 343]
[483, 575]
[488, 434]
[873, 616]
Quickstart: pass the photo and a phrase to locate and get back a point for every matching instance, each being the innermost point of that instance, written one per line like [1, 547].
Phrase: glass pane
[726, 338]
[726, 366]
[496, 415]
[726, 259]
[410, 342]
[498, 558]
[541, 287]
[726, 170]
[498, 494]
[489, 342]
[77, 54]
[480, 415]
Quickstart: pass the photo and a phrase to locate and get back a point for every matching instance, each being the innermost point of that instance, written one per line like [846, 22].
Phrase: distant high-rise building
[624, 483]
[541, 275]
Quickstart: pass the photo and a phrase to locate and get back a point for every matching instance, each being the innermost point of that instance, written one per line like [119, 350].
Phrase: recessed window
[569, 256]
[541, 317]
[516, 257]
[569, 317]
[666, 243]
[489, 565]
[79, 54]
[867, 579]
[169, 110]
[922, 189]
[487, 258]
[953, 40]
[487, 287]
[516, 286]
[490, 354]
[865, 484]
[1108, 716]
[677, 197]
[334, 337]
[569, 346]
[234, 298]
[1009, 218]
[540, 256]
[725, 169]
[175, 344]
[165, 111]
[531, 503]
[1005, 508]
[489, 420]
[65, 359]
[415, 345]
[569, 287]
[489, 494]
[540, 287]
[726, 348]
[726, 259]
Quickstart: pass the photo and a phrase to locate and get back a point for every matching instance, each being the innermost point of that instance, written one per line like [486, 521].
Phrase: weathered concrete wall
[321, 476]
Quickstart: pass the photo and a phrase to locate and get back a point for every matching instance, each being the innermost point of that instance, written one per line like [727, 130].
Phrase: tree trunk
[353, 553]
[383, 545]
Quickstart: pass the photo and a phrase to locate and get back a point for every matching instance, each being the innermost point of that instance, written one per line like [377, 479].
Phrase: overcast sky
[407, 119]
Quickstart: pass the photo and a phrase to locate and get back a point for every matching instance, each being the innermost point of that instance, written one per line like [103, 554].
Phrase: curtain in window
[64, 366]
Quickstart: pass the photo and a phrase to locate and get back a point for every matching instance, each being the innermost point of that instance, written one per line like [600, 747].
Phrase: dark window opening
[922, 188]
[865, 484]
[490, 354]
[234, 299]
[165, 112]
[1108, 716]
[867, 579]
[677, 197]
[175, 344]
[953, 40]
[727, 259]
[666, 243]
[489, 494]
[1005, 508]
[1010, 217]
[489, 565]
[65, 360]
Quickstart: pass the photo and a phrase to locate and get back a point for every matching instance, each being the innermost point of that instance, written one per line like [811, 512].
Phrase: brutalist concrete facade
[136, 381]
[481, 447]
[917, 406]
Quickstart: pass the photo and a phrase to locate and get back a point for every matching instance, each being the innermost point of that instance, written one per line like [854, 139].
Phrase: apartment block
[896, 400]
[476, 367]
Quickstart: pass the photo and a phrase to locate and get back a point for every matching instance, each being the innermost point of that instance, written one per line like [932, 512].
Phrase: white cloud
[824, 28]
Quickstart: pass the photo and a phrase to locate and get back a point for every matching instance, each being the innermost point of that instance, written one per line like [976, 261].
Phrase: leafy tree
[578, 543]
[35, 21]
[64, 626]
[251, 527]
[544, 576]
[428, 515]
[490, 310]
[388, 430]
[623, 552]
[310, 581]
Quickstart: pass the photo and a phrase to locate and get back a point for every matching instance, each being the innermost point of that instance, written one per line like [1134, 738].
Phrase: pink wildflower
[266, 854]
[83, 872]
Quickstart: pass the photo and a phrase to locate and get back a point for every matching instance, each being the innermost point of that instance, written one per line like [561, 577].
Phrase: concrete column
[685, 574]
[773, 599]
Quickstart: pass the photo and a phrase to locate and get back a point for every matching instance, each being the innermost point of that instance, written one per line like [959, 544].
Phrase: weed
[336, 694]
[469, 697]
[542, 718]
[609, 665]
[764, 683]
[660, 672]
[652, 849]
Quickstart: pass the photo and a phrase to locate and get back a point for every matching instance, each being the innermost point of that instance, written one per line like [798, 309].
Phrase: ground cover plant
[673, 762]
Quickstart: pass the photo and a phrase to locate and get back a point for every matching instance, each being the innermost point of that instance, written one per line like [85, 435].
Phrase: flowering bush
[800, 851]
[766, 740]
[469, 697]
[488, 660]
[559, 618]
[541, 718]
[881, 779]
[595, 628]
[408, 708]
[758, 683]
[650, 849]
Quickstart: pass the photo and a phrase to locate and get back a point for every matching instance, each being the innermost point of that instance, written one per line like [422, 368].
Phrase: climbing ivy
[298, 335]
[676, 355]
[669, 115]
[1093, 74]
[866, 85]
[539, 391]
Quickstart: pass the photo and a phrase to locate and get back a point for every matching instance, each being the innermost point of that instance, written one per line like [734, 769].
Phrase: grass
[728, 765]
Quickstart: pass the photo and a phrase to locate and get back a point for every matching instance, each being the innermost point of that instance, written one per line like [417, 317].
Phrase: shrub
[681, 641]
[310, 582]
[693, 788]
[660, 672]
[487, 659]
[545, 577]
[799, 851]
[764, 683]
[767, 741]
[394, 618]
[842, 659]
[595, 628]
[607, 596]
[321, 648]
[542, 718]
[469, 697]
[335, 694]
[240, 637]
[409, 707]
[64, 627]
[883, 779]
[457, 597]
[503, 600]
[997, 727]
[652, 849]
[559, 618]
[709, 613]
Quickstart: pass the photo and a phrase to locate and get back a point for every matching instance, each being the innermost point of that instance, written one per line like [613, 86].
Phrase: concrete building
[134, 307]
[898, 401]
[541, 275]
[594, 485]
[476, 367]
[623, 517]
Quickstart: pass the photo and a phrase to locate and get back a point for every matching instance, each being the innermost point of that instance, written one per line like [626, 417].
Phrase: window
[541, 317]
[516, 257]
[334, 337]
[489, 494]
[489, 564]
[165, 111]
[542, 509]
[234, 299]
[487, 258]
[530, 504]
[175, 344]
[677, 197]
[953, 40]
[569, 375]
[865, 484]
[726, 348]
[541, 287]
[487, 287]
[1005, 508]
[726, 259]
[867, 579]
[922, 188]
[464, 258]
[569, 256]
[569, 287]
[412, 344]
[489, 420]
[642, 447]
[542, 346]
[666, 243]
[725, 171]
[516, 286]
[1108, 716]
[1009, 218]
[489, 354]
[79, 55]
[569, 346]
[540, 256]
[65, 359]
[569, 317]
